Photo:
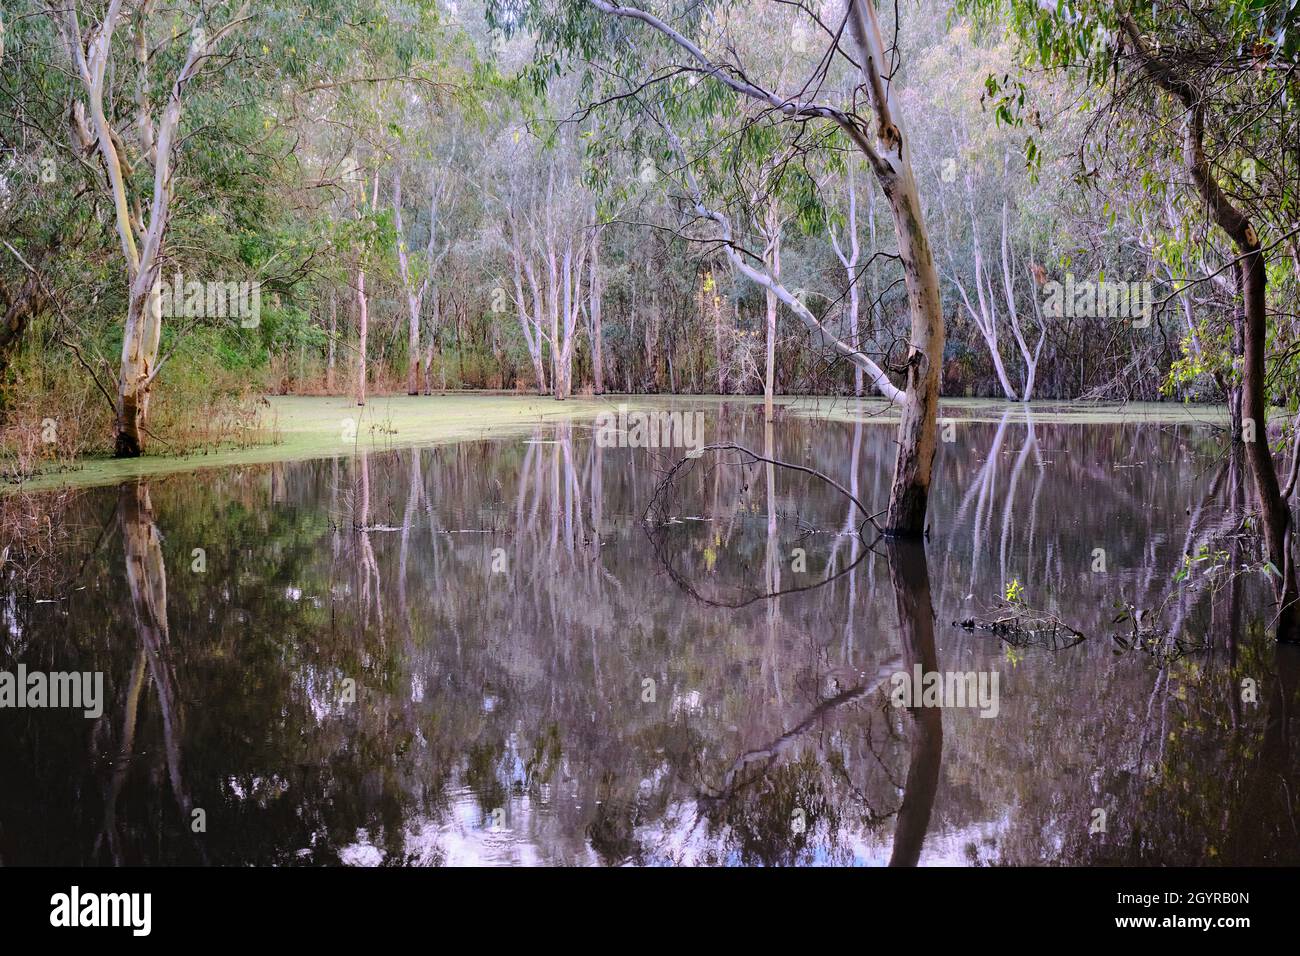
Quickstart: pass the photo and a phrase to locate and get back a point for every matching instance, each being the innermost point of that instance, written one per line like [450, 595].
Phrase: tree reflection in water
[500, 610]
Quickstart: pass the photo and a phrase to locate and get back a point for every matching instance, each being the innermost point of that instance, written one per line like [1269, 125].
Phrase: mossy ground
[319, 427]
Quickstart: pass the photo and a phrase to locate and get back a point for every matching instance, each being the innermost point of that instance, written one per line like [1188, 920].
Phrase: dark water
[587, 694]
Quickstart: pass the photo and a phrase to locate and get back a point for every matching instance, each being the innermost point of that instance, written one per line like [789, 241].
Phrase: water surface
[479, 654]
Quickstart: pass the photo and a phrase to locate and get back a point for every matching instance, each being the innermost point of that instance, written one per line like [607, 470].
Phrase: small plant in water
[1015, 592]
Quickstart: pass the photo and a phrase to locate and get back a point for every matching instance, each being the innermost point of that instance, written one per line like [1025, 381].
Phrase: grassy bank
[303, 428]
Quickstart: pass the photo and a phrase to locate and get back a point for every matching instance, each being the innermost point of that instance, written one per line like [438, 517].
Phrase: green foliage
[1205, 352]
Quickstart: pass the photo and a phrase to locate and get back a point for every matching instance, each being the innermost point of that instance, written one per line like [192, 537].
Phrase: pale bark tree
[1028, 356]
[983, 309]
[770, 232]
[334, 331]
[850, 263]
[595, 330]
[551, 255]
[363, 302]
[530, 319]
[888, 151]
[711, 304]
[569, 296]
[415, 291]
[142, 239]
[864, 364]
[985, 318]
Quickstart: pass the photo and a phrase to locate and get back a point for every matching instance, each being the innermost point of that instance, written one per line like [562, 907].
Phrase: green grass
[313, 427]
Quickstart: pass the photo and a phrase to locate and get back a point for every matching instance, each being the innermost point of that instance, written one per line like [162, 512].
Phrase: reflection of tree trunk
[408, 520]
[855, 540]
[1010, 498]
[1234, 549]
[984, 484]
[367, 566]
[773, 565]
[597, 471]
[122, 762]
[910, 576]
[1266, 816]
[146, 577]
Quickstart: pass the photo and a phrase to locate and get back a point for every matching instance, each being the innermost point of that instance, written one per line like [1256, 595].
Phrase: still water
[480, 654]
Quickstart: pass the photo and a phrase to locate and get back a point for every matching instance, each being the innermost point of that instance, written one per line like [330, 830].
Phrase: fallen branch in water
[1020, 626]
[656, 517]
[754, 456]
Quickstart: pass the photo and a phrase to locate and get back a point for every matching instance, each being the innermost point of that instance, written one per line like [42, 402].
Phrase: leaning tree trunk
[910, 493]
[1275, 516]
[1274, 513]
[890, 158]
[90, 51]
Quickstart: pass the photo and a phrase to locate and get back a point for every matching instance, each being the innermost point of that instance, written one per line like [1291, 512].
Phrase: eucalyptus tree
[155, 53]
[427, 137]
[418, 276]
[192, 160]
[978, 177]
[849, 253]
[551, 227]
[644, 47]
[1212, 86]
